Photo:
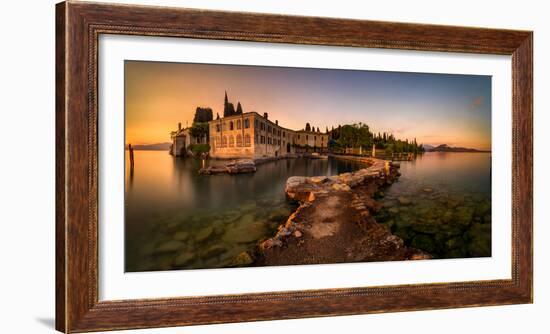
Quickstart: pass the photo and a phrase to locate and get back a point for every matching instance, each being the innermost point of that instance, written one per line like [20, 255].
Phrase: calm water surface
[442, 204]
[178, 219]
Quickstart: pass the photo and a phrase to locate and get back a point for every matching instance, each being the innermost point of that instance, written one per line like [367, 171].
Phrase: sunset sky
[434, 108]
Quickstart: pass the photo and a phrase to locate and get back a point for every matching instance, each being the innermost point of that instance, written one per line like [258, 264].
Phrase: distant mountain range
[152, 147]
[447, 148]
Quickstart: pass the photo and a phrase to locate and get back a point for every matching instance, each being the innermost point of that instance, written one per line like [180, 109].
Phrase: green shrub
[198, 149]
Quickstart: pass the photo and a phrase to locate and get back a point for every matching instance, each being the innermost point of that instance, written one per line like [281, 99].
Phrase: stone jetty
[334, 222]
[234, 167]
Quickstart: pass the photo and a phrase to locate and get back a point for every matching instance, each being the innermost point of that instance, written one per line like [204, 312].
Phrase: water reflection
[176, 218]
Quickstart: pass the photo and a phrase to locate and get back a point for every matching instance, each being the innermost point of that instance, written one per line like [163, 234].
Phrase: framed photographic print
[221, 167]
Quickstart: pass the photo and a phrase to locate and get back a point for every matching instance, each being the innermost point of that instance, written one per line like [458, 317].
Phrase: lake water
[178, 219]
[442, 204]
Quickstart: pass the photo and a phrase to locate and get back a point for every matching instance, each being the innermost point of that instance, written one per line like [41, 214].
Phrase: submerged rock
[181, 236]
[169, 247]
[404, 200]
[204, 234]
[183, 258]
[243, 259]
[214, 250]
[245, 233]
[423, 242]
[463, 215]
[456, 242]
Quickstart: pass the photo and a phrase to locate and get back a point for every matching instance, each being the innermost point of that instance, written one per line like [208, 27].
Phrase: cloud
[476, 103]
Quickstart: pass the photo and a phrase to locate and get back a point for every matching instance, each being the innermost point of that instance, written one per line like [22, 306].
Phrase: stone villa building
[182, 139]
[250, 135]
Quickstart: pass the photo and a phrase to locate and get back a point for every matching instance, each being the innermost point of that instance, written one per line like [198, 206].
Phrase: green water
[442, 204]
[178, 219]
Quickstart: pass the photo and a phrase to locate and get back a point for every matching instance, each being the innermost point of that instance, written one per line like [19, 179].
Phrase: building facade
[182, 140]
[250, 135]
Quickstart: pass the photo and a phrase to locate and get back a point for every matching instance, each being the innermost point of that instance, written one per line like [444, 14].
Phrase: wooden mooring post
[131, 151]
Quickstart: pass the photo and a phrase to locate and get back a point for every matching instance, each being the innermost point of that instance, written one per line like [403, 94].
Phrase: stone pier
[333, 222]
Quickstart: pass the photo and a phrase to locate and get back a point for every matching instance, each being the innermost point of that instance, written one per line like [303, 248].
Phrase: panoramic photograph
[247, 166]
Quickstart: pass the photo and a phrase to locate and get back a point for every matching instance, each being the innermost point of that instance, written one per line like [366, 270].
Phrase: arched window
[224, 141]
[238, 124]
[231, 125]
[231, 141]
[239, 140]
[247, 140]
[246, 123]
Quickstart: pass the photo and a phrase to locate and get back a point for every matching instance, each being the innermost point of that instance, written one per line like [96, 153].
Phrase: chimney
[179, 126]
[265, 115]
[276, 122]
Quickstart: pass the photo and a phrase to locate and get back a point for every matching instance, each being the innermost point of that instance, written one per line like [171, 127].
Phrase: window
[246, 123]
[262, 139]
[231, 141]
[283, 134]
[279, 142]
[298, 136]
[224, 141]
[262, 126]
[256, 123]
[279, 133]
[239, 139]
[256, 138]
[238, 124]
[231, 125]
[307, 137]
[269, 128]
[218, 127]
[247, 140]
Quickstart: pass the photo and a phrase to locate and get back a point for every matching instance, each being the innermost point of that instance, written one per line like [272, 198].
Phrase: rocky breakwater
[235, 167]
[333, 222]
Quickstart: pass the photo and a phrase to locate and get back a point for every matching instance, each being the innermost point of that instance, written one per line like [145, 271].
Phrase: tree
[239, 109]
[228, 108]
[199, 130]
[308, 127]
[356, 135]
[202, 115]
